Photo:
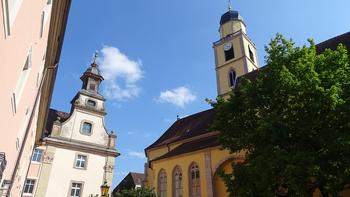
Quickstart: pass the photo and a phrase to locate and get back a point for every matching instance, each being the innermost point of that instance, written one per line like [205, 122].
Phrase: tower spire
[229, 5]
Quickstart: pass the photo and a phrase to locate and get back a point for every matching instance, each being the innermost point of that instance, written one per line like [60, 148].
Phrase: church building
[186, 159]
[77, 152]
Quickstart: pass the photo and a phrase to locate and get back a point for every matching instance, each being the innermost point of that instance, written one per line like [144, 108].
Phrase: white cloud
[140, 155]
[131, 133]
[179, 96]
[120, 73]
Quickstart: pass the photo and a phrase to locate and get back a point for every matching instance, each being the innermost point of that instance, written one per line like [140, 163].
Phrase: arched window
[232, 78]
[251, 54]
[162, 183]
[229, 52]
[177, 182]
[195, 187]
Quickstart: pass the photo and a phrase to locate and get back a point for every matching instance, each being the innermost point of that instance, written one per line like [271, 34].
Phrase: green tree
[294, 122]
[139, 192]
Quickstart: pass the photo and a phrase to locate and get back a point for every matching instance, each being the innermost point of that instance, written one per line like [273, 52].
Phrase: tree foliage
[294, 122]
[139, 192]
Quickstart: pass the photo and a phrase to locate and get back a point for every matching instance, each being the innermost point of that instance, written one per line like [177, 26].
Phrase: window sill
[79, 168]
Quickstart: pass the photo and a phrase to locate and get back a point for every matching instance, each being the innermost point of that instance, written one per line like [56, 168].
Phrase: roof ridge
[189, 126]
[333, 38]
[56, 110]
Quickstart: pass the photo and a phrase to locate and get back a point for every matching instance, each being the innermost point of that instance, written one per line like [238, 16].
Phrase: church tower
[77, 153]
[235, 53]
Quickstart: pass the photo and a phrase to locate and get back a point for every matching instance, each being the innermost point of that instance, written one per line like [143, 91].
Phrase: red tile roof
[137, 177]
[187, 127]
[129, 182]
[192, 146]
[55, 115]
[334, 42]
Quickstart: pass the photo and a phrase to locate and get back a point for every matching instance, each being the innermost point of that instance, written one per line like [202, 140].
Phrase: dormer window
[232, 78]
[228, 50]
[91, 103]
[86, 128]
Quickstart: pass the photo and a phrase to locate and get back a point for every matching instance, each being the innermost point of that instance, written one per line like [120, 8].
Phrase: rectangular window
[10, 10]
[42, 24]
[92, 87]
[22, 80]
[91, 103]
[6, 16]
[87, 127]
[29, 186]
[13, 103]
[17, 143]
[76, 189]
[37, 155]
[81, 161]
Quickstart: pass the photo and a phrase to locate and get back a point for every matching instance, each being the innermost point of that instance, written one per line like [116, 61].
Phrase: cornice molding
[84, 147]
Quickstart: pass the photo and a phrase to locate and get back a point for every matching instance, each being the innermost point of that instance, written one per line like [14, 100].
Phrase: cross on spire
[229, 5]
[95, 56]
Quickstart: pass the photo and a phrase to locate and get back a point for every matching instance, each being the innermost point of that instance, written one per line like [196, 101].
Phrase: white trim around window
[21, 82]
[29, 186]
[76, 189]
[6, 17]
[84, 126]
[37, 155]
[81, 161]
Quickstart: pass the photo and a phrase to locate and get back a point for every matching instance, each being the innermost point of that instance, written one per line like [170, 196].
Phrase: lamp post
[104, 190]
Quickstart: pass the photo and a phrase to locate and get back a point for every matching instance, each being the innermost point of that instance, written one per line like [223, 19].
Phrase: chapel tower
[235, 53]
[77, 152]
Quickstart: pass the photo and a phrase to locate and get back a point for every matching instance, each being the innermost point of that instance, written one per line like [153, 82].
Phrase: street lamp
[104, 190]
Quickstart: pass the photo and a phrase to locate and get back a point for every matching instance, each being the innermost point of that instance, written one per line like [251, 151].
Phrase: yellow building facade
[186, 159]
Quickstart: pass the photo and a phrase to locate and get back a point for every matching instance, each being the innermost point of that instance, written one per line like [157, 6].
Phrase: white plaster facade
[63, 172]
[65, 141]
[71, 129]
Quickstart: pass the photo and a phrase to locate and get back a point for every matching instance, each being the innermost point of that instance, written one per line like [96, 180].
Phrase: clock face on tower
[227, 46]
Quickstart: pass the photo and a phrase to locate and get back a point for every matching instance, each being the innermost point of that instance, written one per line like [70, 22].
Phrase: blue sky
[158, 60]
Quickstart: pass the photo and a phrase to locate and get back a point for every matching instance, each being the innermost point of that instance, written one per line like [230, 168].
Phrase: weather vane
[229, 5]
[95, 56]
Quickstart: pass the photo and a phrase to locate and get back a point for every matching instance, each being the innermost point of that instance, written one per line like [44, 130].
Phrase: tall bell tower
[235, 53]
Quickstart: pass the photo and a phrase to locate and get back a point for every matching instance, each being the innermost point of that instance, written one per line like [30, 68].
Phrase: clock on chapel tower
[235, 53]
